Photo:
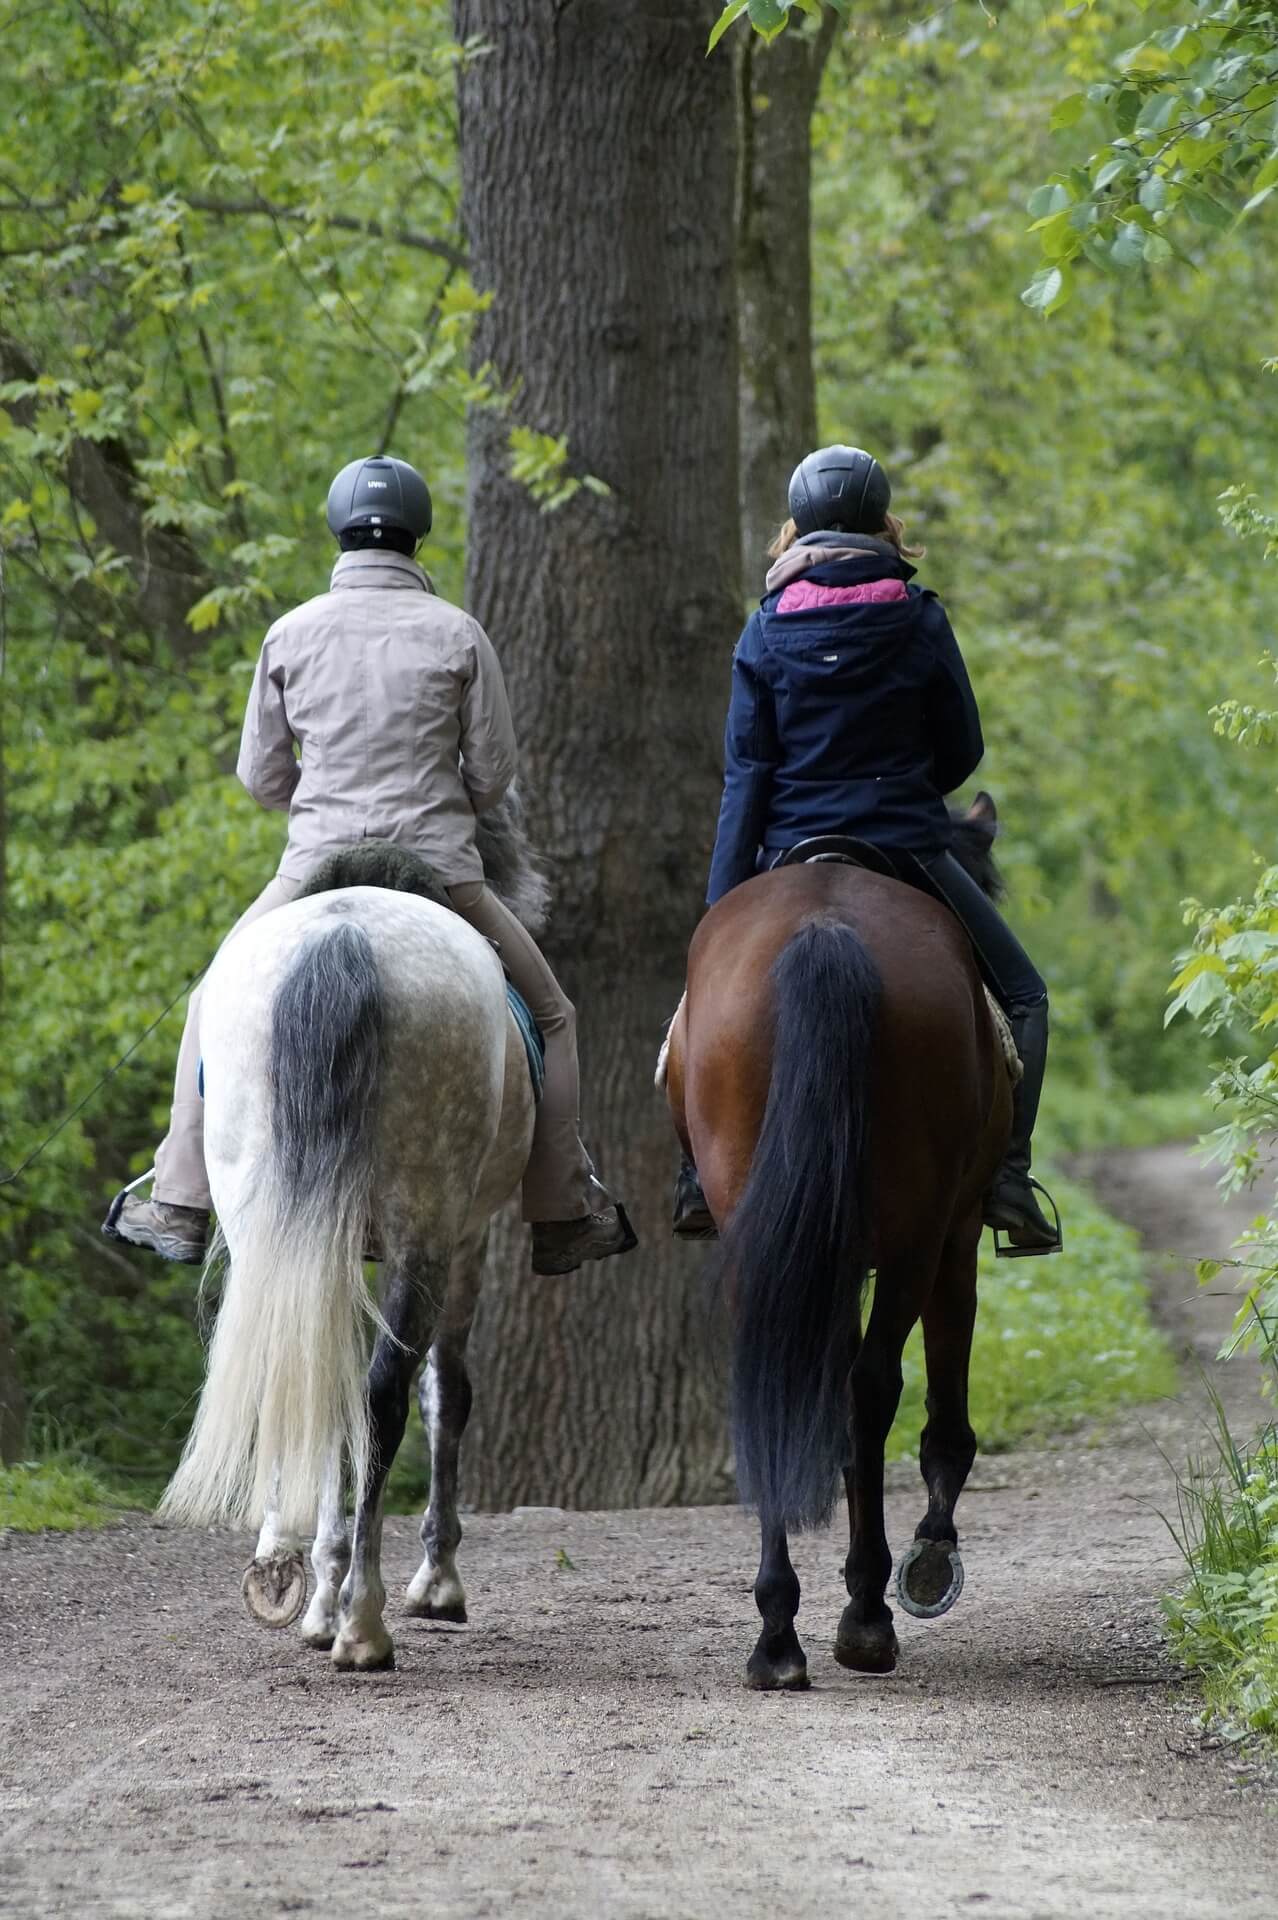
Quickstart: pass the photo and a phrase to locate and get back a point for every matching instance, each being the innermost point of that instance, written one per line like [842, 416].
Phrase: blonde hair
[892, 530]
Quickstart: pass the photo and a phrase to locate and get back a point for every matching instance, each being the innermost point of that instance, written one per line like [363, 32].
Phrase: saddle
[842, 850]
[845, 850]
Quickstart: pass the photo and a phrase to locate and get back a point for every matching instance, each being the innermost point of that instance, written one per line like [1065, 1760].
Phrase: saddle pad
[529, 1033]
[1002, 1027]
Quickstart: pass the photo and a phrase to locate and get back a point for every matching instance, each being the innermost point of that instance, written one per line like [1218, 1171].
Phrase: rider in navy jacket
[852, 713]
[848, 715]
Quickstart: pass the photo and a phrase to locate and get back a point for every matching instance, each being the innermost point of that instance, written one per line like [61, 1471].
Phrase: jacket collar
[369, 568]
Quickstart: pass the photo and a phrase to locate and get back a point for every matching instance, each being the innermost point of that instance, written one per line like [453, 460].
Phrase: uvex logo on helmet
[842, 488]
[380, 492]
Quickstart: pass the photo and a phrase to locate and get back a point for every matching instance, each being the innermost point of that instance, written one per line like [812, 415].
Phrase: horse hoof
[929, 1579]
[274, 1589]
[451, 1610]
[364, 1656]
[783, 1676]
[866, 1649]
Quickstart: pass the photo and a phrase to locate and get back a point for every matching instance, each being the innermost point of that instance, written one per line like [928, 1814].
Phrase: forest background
[234, 251]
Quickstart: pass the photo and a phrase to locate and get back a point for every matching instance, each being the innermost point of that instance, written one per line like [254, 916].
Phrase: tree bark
[13, 1405]
[598, 166]
[777, 89]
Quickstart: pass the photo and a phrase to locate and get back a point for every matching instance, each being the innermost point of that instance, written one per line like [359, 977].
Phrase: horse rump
[797, 1246]
[285, 1388]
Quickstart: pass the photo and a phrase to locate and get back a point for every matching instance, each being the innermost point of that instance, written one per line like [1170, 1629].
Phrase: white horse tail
[287, 1363]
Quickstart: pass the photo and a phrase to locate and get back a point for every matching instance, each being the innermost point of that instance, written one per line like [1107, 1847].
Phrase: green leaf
[1047, 200]
[1153, 193]
[1048, 290]
[1069, 111]
[1156, 250]
[1157, 113]
[1114, 169]
[1205, 210]
[1128, 249]
[767, 17]
[731, 13]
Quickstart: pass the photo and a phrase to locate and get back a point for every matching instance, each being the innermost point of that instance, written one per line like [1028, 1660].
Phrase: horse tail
[287, 1363]
[797, 1246]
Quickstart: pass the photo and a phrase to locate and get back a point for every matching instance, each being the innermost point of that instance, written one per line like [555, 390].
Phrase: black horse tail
[797, 1247]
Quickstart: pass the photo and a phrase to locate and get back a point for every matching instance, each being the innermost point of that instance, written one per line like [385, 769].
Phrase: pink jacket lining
[801, 596]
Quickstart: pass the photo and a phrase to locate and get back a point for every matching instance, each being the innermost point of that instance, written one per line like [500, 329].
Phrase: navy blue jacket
[844, 719]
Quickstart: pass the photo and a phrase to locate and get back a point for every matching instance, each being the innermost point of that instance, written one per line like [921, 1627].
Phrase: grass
[1057, 1340]
[1079, 1119]
[56, 1495]
[1223, 1621]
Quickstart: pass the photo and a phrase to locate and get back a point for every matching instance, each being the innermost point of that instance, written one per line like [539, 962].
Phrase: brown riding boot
[561, 1246]
[175, 1233]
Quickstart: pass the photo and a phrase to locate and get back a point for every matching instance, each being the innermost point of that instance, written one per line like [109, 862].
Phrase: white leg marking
[330, 1558]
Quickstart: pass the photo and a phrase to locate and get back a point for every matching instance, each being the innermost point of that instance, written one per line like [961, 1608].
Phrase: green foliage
[1057, 1340]
[1224, 1619]
[56, 1496]
[768, 18]
[1188, 126]
[229, 257]
[1064, 481]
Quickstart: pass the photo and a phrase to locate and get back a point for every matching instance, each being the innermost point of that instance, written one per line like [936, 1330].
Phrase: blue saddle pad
[529, 1033]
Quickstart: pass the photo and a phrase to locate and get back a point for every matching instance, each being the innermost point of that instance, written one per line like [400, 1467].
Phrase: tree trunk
[598, 171]
[777, 89]
[13, 1404]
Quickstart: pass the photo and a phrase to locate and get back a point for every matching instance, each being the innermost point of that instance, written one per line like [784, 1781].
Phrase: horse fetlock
[320, 1626]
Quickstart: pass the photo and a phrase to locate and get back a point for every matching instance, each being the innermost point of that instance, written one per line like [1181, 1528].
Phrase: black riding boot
[692, 1217]
[1010, 1205]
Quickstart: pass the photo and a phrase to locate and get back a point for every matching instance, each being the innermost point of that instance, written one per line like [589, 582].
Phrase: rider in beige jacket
[379, 711]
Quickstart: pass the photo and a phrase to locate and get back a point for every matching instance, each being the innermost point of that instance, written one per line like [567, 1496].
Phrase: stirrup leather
[1005, 1249]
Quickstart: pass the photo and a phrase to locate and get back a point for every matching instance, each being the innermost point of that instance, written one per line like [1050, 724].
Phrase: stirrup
[1010, 1251]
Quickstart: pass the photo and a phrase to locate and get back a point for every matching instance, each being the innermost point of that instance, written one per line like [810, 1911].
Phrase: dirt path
[585, 1746]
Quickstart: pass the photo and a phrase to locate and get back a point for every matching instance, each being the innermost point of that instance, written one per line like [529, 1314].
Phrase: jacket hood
[823, 549]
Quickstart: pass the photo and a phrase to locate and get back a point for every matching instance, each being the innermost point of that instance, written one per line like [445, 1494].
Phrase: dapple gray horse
[365, 1083]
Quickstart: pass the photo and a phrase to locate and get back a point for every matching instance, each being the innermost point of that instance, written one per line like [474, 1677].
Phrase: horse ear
[983, 813]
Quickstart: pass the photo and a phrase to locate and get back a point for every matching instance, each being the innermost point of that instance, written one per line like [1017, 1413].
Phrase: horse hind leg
[435, 1591]
[930, 1576]
[866, 1640]
[274, 1585]
[330, 1560]
[778, 1662]
[416, 1283]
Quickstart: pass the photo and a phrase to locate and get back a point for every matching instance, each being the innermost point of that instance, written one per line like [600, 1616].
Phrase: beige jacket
[397, 703]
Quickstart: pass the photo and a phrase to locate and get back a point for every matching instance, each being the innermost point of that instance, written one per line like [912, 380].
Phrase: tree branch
[261, 208]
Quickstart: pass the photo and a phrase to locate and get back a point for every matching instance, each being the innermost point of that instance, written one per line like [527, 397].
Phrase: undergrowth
[55, 1495]
[1224, 1619]
[1057, 1339]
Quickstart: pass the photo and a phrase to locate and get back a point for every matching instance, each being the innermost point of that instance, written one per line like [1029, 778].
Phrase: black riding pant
[1009, 972]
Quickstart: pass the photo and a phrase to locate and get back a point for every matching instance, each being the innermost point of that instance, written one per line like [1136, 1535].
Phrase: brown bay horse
[836, 1075]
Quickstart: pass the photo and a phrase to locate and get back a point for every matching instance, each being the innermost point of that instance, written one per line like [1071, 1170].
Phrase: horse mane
[512, 867]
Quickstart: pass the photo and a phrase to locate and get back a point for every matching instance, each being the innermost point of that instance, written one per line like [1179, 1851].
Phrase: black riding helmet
[380, 501]
[840, 488]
